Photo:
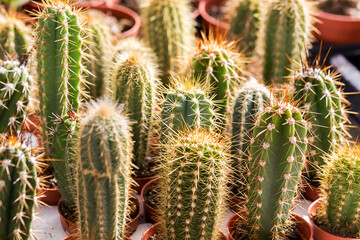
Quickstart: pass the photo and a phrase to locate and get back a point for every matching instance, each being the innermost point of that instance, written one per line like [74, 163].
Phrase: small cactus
[277, 157]
[339, 205]
[14, 92]
[103, 171]
[169, 30]
[193, 179]
[18, 182]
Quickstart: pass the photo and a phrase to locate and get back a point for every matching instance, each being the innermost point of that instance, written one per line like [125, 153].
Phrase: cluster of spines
[134, 83]
[339, 207]
[18, 182]
[169, 30]
[277, 157]
[194, 179]
[14, 91]
[103, 171]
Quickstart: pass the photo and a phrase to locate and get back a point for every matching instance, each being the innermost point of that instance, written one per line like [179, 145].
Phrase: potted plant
[151, 198]
[335, 215]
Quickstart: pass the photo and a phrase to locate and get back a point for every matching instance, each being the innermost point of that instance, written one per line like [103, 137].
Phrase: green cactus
[250, 100]
[277, 156]
[186, 106]
[215, 63]
[339, 206]
[14, 36]
[103, 171]
[135, 84]
[18, 182]
[322, 103]
[169, 30]
[59, 55]
[287, 35]
[14, 93]
[14, 3]
[193, 179]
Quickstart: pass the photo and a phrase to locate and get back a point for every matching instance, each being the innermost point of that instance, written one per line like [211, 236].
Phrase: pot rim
[203, 5]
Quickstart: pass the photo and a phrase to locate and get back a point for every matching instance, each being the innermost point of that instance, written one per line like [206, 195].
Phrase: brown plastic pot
[68, 226]
[154, 229]
[302, 226]
[140, 183]
[151, 213]
[235, 203]
[211, 23]
[320, 234]
[49, 196]
[337, 29]
[310, 192]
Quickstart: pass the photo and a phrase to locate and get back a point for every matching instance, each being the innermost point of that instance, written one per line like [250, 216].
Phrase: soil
[317, 221]
[219, 12]
[152, 197]
[344, 7]
[147, 169]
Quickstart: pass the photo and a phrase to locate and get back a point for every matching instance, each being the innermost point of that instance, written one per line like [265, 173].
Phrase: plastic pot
[209, 21]
[140, 183]
[49, 196]
[151, 213]
[310, 192]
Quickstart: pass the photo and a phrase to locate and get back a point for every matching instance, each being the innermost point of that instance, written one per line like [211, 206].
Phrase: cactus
[250, 100]
[193, 179]
[104, 171]
[59, 55]
[169, 30]
[287, 35]
[277, 156]
[18, 182]
[339, 206]
[14, 92]
[135, 84]
[215, 63]
[14, 36]
[323, 105]
[14, 3]
[186, 106]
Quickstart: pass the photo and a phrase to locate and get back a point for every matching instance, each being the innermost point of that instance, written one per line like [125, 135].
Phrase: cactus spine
[135, 84]
[250, 100]
[339, 206]
[14, 93]
[194, 180]
[287, 35]
[323, 105]
[18, 182]
[103, 171]
[59, 56]
[169, 30]
[275, 164]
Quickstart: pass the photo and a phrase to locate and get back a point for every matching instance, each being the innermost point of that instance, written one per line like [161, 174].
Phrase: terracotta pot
[302, 226]
[68, 226]
[151, 214]
[50, 196]
[320, 234]
[310, 192]
[140, 183]
[75, 237]
[154, 229]
[235, 203]
[337, 29]
[210, 22]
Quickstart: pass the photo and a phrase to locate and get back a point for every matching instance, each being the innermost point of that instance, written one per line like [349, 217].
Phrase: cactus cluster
[194, 179]
[103, 171]
[18, 182]
[14, 91]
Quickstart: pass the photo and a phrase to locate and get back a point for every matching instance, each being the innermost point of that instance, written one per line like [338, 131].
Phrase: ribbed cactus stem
[169, 30]
[277, 156]
[14, 92]
[339, 207]
[18, 181]
[194, 180]
[103, 171]
[287, 35]
[134, 83]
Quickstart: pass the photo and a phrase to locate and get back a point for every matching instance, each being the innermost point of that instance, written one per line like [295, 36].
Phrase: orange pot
[211, 23]
[76, 237]
[151, 214]
[140, 183]
[311, 193]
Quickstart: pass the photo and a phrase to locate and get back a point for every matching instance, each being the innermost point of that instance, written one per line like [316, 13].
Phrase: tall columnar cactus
[59, 55]
[277, 156]
[14, 92]
[14, 36]
[287, 35]
[103, 171]
[169, 30]
[18, 182]
[194, 179]
[135, 84]
[186, 106]
[216, 63]
[246, 23]
[323, 105]
[339, 207]
[249, 102]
